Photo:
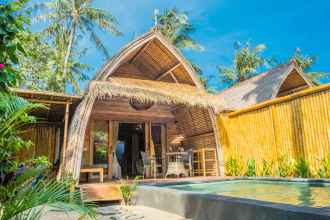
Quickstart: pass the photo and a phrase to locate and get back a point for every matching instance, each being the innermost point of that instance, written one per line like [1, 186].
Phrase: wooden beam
[143, 48]
[65, 135]
[49, 101]
[167, 71]
[174, 78]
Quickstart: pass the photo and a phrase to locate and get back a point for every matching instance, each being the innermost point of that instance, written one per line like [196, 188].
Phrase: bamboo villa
[144, 102]
[143, 112]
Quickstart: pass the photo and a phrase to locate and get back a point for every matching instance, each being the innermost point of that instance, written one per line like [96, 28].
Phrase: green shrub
[251, 167]
[302, 168]
[233, 166]
[285, 166]
[324, 170]
[127, 190]
[266, 168]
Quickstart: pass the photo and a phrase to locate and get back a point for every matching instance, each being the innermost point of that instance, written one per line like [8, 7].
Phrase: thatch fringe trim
[153, 91]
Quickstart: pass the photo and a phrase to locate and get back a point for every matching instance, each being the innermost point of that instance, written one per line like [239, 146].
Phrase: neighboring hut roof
[150, 56]
[153, 91]
[260, 88]
[46, 95]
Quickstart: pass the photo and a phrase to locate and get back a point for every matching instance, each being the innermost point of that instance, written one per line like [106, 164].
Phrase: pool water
[294, 193]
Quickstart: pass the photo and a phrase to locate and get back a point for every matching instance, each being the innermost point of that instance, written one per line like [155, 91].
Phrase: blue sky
[282, 25]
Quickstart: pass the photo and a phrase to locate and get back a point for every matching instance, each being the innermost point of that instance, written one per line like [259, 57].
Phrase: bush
[233, 166]
[127, 190]
[285, 166]
[251, 167]
[266, 168]
[302, 168]
[324, 170]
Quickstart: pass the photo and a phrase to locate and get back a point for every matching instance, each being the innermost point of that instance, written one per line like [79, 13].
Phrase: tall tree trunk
[68, 52]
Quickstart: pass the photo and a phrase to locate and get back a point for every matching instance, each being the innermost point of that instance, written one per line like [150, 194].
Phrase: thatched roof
[45, 95]
[152, 91]
[262, 87]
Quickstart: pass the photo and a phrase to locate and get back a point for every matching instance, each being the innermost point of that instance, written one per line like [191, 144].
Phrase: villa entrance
[130, 144]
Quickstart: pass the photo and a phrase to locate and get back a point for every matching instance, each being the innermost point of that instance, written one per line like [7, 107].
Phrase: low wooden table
[93, 170]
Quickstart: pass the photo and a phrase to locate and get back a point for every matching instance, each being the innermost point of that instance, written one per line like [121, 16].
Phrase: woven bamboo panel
[44, 138]
[205, 162]
[298, 127]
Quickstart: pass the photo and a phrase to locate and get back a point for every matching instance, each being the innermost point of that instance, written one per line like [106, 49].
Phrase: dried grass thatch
[153, 91]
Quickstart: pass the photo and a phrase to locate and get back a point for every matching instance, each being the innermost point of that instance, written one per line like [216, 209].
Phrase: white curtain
[116, 168]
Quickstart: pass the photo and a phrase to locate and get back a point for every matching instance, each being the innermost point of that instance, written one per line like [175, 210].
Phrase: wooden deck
[109, 191]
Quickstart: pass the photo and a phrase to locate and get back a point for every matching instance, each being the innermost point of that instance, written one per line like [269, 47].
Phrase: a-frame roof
[264, 86]
[150, 57]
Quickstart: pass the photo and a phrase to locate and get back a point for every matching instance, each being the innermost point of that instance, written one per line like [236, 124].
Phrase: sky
[282, 25]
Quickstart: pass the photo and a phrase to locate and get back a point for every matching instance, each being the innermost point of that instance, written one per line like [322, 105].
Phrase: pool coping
[158, 196]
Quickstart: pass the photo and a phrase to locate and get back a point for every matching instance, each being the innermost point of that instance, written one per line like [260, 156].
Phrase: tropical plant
[73, 19]
[266, 168]
[234, 166]
[285, 166]
[25, 191]
[12, 21]
[302, 168]
[324, 170]
[305, 62]
[176, 27]
[127, 190]
[251, 168]
[246, 62]
[14, 115]
[29, 194]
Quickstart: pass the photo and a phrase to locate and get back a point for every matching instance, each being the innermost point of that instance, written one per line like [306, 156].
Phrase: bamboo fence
[297, 126]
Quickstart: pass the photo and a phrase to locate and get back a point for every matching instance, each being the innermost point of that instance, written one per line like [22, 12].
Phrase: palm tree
[78, 18]
[246, 62]
[176, 27]
[305, 62]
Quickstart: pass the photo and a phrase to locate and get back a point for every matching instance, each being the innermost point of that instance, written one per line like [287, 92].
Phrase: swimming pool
[241, 198]
[294, 193]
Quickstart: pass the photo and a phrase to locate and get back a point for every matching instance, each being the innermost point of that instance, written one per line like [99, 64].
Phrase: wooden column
[110, 143]
[164, 144]
[65, 135]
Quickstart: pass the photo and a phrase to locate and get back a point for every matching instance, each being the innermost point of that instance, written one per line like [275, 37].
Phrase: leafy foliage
[25, 191]
[305, 62]
[302, 168]
[251, 167]
[234, 166]
[246, 62]
[324, 170]
[12, 21]
[42, 69]
[68, 21]
[285, 166]
[28, 195]
[127, 190]
[266, 168]
[176, 27]
[14, 112]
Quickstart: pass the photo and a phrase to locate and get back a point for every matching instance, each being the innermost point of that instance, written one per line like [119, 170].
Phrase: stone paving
[117, 212]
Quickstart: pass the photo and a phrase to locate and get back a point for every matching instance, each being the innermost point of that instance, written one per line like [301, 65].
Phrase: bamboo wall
[43, 138]
[297, 125]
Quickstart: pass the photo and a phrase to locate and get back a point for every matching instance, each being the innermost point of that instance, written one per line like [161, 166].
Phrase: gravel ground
[117, 212]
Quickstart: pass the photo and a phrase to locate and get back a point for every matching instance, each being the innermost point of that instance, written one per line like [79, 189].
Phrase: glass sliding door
[100, 142]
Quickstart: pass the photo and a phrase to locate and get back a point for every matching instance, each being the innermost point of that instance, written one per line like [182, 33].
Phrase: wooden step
[101, 192]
